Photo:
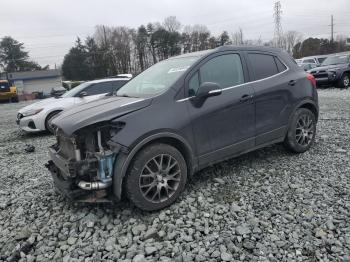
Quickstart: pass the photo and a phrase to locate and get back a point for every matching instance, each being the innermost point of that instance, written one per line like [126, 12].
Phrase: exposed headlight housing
[32, 112]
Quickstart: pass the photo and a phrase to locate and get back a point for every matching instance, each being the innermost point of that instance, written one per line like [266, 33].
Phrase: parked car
[316, 60]
[335, 70]
[179, 116]
[36, 117]
[307, 67]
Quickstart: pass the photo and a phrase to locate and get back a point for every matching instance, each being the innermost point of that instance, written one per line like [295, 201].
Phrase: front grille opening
[31, 125]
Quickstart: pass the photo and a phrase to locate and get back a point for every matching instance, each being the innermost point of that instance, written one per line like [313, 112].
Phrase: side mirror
[82, 94]
[208, 89]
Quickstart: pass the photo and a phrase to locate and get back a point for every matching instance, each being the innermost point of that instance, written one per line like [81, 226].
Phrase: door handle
[245, 98]
[292, 82]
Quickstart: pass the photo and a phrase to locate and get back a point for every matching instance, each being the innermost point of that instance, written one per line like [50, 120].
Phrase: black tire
[344, 81]
[51, 116]
[14, 99]
[301, 133]
[144, 182]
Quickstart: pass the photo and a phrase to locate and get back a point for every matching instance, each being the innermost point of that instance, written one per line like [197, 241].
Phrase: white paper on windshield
[178, 69]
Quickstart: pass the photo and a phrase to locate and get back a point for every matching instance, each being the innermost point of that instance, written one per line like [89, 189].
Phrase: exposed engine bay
[82, 165]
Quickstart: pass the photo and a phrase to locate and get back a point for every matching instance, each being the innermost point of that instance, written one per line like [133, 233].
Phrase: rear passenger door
[271, 85]
[224, 124]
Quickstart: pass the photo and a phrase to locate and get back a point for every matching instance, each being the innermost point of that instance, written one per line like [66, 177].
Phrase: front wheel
[48, 120]
[344, 81]
[301, 132]
[156, 177]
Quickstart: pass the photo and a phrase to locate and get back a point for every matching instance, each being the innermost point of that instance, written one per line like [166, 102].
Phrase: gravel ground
[266, 205]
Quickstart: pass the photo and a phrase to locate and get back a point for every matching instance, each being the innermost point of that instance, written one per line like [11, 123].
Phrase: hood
[104, 109]
[37, 105]
[325, 68]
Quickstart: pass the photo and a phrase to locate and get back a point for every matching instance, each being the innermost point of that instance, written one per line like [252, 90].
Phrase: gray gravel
[267, 205]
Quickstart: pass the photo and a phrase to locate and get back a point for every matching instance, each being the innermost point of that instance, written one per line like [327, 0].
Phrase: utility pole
[278, 26]
[332, 29]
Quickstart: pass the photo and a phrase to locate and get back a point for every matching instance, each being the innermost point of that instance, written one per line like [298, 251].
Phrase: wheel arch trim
[123, 160]
[304, 104]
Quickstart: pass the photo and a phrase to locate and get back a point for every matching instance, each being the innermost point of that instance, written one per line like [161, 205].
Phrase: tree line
[113, 50]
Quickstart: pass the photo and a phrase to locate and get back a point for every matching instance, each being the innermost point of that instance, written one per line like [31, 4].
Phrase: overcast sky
[48, 28]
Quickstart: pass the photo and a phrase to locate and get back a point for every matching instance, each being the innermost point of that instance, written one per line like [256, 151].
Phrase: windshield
[73, 92]
[158, 78]
[336, 60]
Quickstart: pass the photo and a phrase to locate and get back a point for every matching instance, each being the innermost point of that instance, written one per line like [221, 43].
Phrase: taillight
[312, 79]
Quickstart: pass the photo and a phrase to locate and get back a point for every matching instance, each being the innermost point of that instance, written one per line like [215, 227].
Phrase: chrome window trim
[251, 82]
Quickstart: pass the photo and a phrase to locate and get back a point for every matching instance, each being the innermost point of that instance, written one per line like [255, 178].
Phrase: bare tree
[291, 38]
[171, 24]
[237, 37]
[195, 38]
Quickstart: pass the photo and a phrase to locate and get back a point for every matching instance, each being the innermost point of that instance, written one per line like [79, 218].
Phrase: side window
[118, 84]
[99, 88]
[281, 67]
[312, 61]
[226, 70]
[321, 59]
[193, 84]
[262, 65]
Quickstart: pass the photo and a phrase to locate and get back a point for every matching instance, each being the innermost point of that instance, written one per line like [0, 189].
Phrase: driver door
[225, 124]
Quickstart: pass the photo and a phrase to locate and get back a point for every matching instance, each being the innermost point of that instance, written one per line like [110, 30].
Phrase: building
[30, 82]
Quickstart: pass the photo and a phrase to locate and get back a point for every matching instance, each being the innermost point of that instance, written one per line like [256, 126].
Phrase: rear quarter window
[280, 66]
[262, 65]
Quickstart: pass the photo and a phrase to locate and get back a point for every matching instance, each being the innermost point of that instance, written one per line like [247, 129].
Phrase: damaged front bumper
[87, 180]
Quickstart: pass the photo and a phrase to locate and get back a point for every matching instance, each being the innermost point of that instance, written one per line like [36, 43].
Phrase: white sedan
[36, 117]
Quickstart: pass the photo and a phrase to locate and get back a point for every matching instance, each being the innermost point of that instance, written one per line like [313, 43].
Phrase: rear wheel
[344, 81]
[302, 131]
[156, 177]
[48, 120]
[14, 99]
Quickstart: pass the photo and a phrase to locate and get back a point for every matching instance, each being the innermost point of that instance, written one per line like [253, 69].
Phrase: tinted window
[226, 70]
[118, 84]
[262, 65]
[193, 85]
[312, 61]
[321, 59]
[281, 67]
[99, 88]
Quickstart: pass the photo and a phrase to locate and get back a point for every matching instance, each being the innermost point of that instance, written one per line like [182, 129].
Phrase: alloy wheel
[346, 81]
[160, 178]
[304, 130]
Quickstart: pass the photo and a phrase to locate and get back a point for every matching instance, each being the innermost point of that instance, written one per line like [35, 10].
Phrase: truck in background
[8, 91]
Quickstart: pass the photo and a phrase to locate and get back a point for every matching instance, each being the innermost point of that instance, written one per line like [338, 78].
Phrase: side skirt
[232, 152]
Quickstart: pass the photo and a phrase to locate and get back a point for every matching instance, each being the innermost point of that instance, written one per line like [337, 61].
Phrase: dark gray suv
[179, 116]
